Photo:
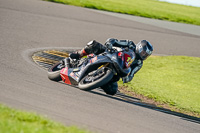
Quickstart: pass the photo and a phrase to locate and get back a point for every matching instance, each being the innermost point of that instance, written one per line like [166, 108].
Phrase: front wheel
[96, 79]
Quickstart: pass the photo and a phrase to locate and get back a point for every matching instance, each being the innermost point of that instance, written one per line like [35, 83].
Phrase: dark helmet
[144, 49]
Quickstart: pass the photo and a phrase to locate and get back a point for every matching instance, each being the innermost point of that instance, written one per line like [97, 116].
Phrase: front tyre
[96, 79]
[54, 72]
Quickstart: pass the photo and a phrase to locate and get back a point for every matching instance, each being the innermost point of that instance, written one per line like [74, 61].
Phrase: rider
[142, 50]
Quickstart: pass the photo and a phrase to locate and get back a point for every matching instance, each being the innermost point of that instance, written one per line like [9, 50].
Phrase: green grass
[14, 121]
[173, 80]
[145, 8]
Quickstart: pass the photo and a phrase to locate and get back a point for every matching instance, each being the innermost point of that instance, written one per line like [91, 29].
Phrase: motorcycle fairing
[128, 59]
[118, 61]
[93, 64]
[64, 75]
[72, 76]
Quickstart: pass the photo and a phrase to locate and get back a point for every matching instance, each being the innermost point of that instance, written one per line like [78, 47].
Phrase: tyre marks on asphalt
[47, 58]
[60, 54]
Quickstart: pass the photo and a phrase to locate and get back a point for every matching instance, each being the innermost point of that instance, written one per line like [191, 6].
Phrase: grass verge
[145, 8]
[14, 121]
[170, 80]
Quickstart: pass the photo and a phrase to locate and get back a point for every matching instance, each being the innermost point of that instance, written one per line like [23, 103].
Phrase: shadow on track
[135, 101]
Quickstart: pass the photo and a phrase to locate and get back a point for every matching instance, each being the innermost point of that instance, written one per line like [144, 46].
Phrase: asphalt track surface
[28, 26]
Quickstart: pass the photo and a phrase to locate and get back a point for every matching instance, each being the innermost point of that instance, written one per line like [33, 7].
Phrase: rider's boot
[93, 47]
[78, 54]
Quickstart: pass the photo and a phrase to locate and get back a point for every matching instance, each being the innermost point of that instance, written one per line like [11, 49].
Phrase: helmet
[144, 49]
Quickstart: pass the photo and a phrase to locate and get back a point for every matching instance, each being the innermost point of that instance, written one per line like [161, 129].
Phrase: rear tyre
[110, 88]
[94, 80]
[54, 72]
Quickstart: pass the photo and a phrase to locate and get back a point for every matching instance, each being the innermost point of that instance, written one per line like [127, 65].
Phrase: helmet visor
[144, 55]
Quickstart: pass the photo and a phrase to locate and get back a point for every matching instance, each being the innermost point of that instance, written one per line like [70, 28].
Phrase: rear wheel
[110, 88]
[54, 72]
[96, 79]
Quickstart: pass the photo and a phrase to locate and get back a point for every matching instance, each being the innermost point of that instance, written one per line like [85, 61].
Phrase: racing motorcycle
[94, 71]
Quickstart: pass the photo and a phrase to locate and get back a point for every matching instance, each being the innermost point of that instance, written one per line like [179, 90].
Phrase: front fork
[66, 62]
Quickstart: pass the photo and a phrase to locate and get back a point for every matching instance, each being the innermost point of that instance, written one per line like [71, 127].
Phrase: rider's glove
[127, 78]
[109, 45]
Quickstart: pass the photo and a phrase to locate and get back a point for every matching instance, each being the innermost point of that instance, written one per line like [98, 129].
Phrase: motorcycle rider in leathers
[142, 50]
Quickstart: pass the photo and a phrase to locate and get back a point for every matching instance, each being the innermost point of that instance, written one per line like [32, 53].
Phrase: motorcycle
[95, 70]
